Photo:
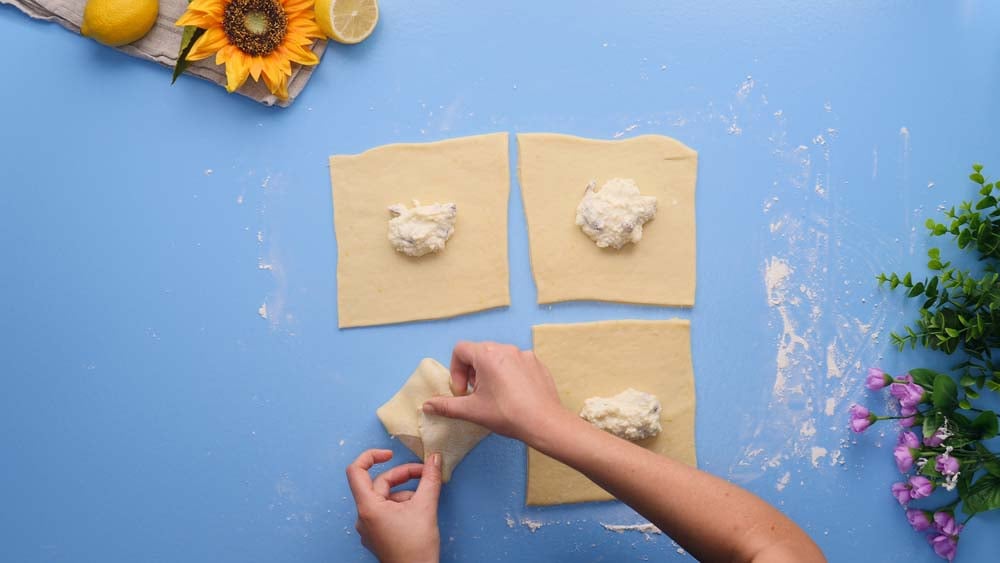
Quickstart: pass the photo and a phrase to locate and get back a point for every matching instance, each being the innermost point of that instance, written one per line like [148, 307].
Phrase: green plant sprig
[961, 309]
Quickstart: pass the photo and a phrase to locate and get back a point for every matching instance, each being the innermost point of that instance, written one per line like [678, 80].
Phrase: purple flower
[905, 378]
[902, 493]
[904, 458]
[909, 394]
[920, 487]
[908, 439]
[933, 440]
[944, 546]
[944, 522]
[946, 464]
[861, 419]
[910, 414]
[877, 379]
[918, 519]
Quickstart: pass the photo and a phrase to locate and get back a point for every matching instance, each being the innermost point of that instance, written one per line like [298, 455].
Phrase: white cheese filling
[613, 216]
[631, 414]
[421, 229]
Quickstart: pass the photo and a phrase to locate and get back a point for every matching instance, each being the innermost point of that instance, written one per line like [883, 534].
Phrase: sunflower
[254, 38]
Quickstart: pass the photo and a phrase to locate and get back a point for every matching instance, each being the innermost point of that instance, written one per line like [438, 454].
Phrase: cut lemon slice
[347, 21]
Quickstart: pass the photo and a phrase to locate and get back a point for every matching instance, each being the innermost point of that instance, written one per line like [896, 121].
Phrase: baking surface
[150, 413]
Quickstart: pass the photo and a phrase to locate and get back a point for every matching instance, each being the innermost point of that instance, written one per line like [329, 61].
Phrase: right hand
[512, 393]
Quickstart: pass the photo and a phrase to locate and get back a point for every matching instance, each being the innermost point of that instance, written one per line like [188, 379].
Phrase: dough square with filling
[377, 285]
[603, 359]
[567, 265]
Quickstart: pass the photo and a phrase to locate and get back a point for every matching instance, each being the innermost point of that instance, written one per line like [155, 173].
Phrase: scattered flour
[262, 311]
[783, 481]
[831, 406]
[510, 521]
[808, 428]
[532, 525]
[817, 453]
[646, 528]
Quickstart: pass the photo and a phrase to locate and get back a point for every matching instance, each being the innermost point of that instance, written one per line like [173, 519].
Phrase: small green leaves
[983, 495]
[986, 425]
[188, 38]
[945, 394]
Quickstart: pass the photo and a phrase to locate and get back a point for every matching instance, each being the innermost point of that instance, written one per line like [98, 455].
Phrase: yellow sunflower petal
[277, 87]
[256, 67]
[305, 29]
[298, 54]
[295, 6]
[197, 19]
[237, 70]
[213, 7]
[208, 44]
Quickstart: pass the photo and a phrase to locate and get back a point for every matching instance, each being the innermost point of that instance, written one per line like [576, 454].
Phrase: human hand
[397, 526]
[512, 392]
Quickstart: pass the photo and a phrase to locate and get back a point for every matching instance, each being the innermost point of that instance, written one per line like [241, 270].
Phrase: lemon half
[347, 21]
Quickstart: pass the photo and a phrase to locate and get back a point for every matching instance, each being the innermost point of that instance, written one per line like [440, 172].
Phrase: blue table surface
[148, 413]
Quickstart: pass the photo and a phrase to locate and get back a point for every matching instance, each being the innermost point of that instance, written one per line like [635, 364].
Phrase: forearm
[710, 517]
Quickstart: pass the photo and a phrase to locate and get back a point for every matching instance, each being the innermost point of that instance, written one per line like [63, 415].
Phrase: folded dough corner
[403, 417]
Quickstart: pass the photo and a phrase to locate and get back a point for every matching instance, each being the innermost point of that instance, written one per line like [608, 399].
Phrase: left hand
[397, 526]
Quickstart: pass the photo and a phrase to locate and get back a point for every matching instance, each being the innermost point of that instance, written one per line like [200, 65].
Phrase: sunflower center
[256, 27]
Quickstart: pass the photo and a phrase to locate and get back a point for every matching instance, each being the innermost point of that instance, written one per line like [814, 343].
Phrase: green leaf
[923, 377]
[945, 396]
[188, 38]
[967, 381]
[977, 178]
[986, 425]
[977, 167]
[931, 423]
[983, 495]
[963, 404]
[951, 332]
[991, 464]
[987, 201]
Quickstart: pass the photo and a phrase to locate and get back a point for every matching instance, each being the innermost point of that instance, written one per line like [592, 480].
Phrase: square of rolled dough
[377, 285]
[567, 265]
[603, 359]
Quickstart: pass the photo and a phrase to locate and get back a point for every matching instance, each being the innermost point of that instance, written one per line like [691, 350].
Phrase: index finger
[463, 359]
[357, 474]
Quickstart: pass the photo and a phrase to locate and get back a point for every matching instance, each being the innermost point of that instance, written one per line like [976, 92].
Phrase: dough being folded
[404, 418]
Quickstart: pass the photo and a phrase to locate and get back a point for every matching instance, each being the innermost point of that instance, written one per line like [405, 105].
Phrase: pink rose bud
[861, 418]
[944, 546]
[944, 522]
[902, 493]
[877, 379]
[904, 458]
[946, 464]
[920, 487]
[918, 519]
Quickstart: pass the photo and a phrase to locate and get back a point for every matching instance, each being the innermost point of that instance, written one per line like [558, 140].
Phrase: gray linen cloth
[162, 43]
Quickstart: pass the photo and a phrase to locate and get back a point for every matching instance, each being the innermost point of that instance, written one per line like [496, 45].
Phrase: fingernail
[429, 408]
[436, 460]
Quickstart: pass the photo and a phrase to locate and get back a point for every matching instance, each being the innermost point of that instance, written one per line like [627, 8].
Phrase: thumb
[429, 488]
[451, 407]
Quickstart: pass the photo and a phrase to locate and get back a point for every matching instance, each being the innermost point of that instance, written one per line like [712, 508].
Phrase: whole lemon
[119, 22]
